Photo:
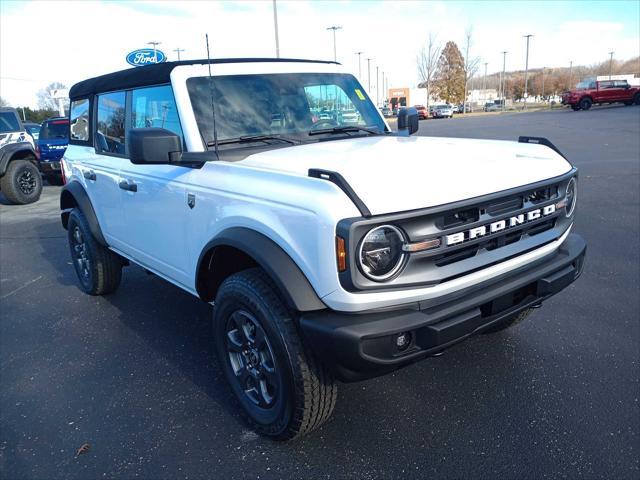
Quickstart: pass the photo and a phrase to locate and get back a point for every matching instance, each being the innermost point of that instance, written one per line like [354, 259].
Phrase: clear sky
[41, 42]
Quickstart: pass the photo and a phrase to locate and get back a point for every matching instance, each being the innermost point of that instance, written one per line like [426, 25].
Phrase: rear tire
[22, 182]
[283, 389]
[509, 321]
[575, 108]
[585, 103]
[99, 270]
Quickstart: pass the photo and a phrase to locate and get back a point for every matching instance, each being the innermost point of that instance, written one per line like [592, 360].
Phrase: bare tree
[470, 66]
[46, 101]
[427, 62]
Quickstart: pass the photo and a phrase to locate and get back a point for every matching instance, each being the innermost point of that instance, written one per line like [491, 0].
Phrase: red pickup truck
[592, 91]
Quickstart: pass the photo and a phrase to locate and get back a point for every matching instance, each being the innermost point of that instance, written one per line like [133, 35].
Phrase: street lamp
[369, 74]
[570, 73]
[155, 55]
[275, 28]
[334, 28]
[503, 80]
[359, 65]
[484, 83]
[377, 87]
[526, 71]
[610, 63]
[178, 50]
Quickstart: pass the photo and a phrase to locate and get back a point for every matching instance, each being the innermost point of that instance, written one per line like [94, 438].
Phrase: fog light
[403, 340]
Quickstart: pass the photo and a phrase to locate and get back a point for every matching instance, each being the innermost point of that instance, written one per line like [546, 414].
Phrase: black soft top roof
[155, 74]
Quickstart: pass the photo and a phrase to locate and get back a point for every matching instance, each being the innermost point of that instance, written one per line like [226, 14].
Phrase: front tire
[284, 391]
[509, 321]
[22, 182]
[575, 108]
[99, 270]
[585, 103]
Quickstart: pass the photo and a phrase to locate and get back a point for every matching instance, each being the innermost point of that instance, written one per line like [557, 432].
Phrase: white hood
[394, 174]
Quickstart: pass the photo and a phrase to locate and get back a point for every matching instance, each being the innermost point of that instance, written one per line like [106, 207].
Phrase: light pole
[155, 55]
[542, 83]
[334, 28]
[503, 80]
[178, 50]
[275, 28]
[369, 74]
[359, 65]
[526, 71]
[610, 63]
[377, 87]
[484, 83]
[570, 73]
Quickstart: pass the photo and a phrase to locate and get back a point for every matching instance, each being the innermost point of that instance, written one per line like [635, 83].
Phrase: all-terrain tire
[509, 321]
[22, 182]
[575, 108]
[99, 269]
[302, 391]
[585, 103]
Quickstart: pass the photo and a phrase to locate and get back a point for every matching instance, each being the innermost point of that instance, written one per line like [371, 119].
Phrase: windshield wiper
[253, 138]
[344, 129]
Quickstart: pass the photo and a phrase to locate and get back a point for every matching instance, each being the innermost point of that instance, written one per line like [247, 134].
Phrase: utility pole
[334, 28]
[359, 65]
[178, 50]
[275, 28]
[610, 63]
[570, 73]
[484, 83]
[503, 80]
[377, 87]
[383, 89]
[543, 83]
[369, 74]
[526, 71]
[155, 55]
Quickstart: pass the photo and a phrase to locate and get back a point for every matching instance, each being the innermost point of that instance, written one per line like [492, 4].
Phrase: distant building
[630, 78]
[481, 96]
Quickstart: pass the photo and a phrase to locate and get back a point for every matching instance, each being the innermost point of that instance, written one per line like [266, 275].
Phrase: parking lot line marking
[20, 288]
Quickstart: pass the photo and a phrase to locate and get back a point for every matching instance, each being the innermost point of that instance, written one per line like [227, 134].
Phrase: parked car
[442, 111]
[423, 113]
[20, 180]
[32, 129]
[461, 108]
[50, 147]
[593, 91]
[348, 117]
[386, 112]
[493, 107]
[328, 253]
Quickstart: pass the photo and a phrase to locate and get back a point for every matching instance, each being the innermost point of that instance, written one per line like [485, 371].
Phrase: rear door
[154, 197]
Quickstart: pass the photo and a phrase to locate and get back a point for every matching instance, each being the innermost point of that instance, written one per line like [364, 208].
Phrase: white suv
[331, 248]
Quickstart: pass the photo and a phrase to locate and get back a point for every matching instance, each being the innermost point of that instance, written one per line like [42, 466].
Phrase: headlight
[381, 254]
[571, 197]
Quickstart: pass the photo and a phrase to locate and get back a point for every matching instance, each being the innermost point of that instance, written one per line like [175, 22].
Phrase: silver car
[442, 111]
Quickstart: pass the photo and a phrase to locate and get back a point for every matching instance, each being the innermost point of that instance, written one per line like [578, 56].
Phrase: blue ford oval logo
[145, 56]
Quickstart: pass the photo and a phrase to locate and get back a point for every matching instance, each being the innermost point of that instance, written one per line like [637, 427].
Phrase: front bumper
[360, 346]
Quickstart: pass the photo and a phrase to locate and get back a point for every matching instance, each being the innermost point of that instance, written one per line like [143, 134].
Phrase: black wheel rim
[81, 254]
[27, 182]
[251, 359]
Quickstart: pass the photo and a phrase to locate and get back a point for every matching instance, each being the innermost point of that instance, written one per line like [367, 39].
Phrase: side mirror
[153, 145]
[408, 121]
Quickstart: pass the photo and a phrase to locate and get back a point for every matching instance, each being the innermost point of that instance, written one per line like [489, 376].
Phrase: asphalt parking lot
[133, 374]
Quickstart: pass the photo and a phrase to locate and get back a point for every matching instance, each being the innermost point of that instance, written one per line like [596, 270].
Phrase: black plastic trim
[8, 151]
[285, 273]
[541, 141]
[81, 198]
[342, 184]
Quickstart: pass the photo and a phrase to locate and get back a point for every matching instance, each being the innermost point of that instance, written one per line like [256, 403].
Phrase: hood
[394, 174]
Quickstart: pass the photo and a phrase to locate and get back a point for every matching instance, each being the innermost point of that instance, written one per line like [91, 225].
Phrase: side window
[79, 117]
[155, 107]
[606, 84]
[110, 125]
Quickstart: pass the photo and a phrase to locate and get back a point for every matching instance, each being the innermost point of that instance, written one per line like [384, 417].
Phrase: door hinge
[191, 200]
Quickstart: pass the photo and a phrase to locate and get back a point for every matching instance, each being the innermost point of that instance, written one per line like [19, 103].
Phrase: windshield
[55, 129]
[34, 130]
[590, 83]
[290, 104]
[9, 122]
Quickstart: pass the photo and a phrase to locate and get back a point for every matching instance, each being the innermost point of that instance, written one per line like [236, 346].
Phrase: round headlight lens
[571, 196]
[381, 254]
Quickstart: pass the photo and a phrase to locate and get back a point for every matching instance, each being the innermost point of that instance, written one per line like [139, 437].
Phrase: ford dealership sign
[145, 56]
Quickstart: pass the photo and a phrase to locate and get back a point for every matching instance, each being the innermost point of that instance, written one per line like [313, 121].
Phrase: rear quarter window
[79, 120]
[9, 122]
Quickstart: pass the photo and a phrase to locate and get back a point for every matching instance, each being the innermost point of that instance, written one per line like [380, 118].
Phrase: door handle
[89, 175]
[128, 186]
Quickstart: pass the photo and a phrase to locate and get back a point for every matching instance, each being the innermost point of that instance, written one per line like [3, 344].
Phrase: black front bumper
[363, 345]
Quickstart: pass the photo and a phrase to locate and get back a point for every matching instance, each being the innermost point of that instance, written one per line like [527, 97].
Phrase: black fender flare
[285, 273]
[8, 151]
[73, 195]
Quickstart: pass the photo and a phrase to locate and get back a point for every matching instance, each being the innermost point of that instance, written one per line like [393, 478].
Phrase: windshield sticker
[359, 93]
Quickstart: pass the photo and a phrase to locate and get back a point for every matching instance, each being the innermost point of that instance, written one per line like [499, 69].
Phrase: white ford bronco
[331, 248]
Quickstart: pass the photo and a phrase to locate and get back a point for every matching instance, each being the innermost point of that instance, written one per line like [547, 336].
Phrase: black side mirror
[153, 145]
[408, 121]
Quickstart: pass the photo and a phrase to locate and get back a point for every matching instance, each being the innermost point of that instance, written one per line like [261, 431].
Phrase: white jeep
[331, 247]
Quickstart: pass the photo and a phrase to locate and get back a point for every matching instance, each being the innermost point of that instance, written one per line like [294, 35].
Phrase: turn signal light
[341, 254]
